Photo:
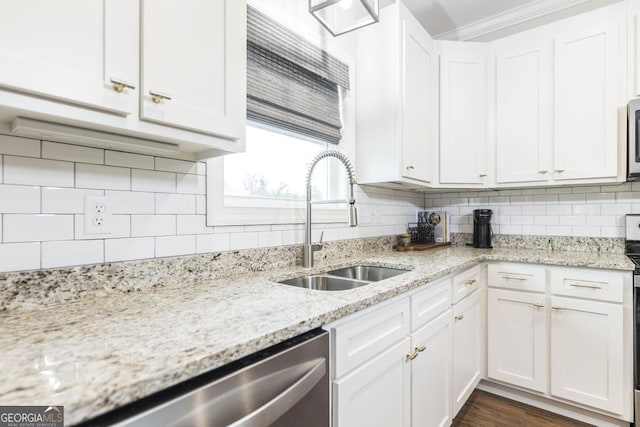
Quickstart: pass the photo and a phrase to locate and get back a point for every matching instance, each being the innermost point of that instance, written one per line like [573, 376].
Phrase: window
[296, 108]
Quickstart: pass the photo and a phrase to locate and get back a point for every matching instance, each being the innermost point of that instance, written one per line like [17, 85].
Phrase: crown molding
[508, 19]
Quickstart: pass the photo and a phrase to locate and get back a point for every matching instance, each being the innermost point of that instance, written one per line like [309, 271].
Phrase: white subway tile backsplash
[19, 199]
[144, 180]
[601, 197]
[19, 146]
[65, 200]
[558, 190]
[172, 165]
[129, 249]
[628, 197]
[201, 205]
[19, 256]
[602, 220]
[274, 238]
[175, 245]
[559, 230]
[212, 243]
[586, 231]
[153, 225]
[592, 209]
[28, 171]
[546, 199]
[73, 153]
[120, 227]
[1, 172]
[616, 188]
[533, 191]
[131, 202]
[201, 168]
[572, 220]
[521, 220]
[558, 210]
[175, 203]
[521, 200]
[191, 184]
[536, 210]
[615, 232]
[193, 224]
[103, 177]
[499, 200]
[296, 237]
[546, 220]
[72, 252]
[510, 229]
[591, 189]
[615, 209]
[239, 241]
[571, 198]
[30, 228]
[128, 160]
[534, 230]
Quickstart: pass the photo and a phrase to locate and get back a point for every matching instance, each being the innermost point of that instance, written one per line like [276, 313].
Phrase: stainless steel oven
[632, 248]
[633, 140]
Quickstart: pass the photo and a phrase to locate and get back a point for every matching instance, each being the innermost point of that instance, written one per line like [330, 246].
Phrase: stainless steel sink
[344, 278]
[367, 272]
[324, 283]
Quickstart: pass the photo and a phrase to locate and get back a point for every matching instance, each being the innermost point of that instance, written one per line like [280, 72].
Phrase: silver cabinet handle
[559, 170]
[413, 355]
[410, 168]
[420, 348]
[514, 278]
[557, 308]
[120, 85]
[157, 97]
[482, 175]
[272, 410]
[470, 282]
[579, 285]
[538, 305]
[542, 172]
[459, 317]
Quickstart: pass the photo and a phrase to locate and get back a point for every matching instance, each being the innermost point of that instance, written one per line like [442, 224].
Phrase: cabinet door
[587, 353]
[517, 338]
[69, 50]
[194, 52]
[523, 121]
[431, 374]
[467, 335]
[377, 393]
[417, 99]
[586, 95]
[463, 145]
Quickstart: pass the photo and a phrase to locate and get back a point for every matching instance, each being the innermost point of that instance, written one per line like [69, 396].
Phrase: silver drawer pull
[542, 172]
[420, 348]
[482, 175]
[459, 317]
[120, 85]
[557, 308]
[410, 168]
[579, 285]
[514, 278]
[157, 97]
[470, 282]
[411, 356]
[538, 305]
[559, 170]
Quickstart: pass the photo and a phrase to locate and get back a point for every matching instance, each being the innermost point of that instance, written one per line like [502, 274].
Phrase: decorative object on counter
[430, 228]
[404, 239]
[342, 16]
[309, 248]
[420, 246]
[482, 230]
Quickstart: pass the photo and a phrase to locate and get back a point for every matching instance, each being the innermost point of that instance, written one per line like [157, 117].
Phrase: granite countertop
[105, 351]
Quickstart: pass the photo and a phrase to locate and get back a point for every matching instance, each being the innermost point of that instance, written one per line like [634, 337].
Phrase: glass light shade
[343, 16]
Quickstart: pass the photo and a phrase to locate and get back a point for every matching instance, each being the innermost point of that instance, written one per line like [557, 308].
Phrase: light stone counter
[107, 350]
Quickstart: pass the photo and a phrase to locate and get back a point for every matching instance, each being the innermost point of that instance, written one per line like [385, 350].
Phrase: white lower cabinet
[467, 335]
[517, 338]
[431, 373]
[587, 353]
[377, 393]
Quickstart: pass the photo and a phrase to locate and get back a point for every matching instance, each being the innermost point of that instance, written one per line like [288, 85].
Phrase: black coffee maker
[482, 228]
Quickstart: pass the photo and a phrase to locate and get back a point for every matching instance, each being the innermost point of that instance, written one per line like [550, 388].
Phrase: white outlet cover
[93, 205]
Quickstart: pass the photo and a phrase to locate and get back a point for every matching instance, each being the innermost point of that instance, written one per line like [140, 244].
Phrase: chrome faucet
[309, 248]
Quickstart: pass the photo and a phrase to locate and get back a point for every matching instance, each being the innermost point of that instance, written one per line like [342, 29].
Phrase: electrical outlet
[97, 215]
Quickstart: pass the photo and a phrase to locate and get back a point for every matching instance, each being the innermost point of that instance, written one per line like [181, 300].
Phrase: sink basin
[324, 283]
[367, 272]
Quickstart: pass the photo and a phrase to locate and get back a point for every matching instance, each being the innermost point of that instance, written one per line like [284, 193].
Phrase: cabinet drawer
[365, 335]
[603, 285]
[522, 277]
[430, 302]
[466, 282]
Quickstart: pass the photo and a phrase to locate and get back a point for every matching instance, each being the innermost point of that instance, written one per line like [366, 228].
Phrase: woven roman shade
[291, 83]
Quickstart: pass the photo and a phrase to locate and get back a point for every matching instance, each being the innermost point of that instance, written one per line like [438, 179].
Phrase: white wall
[594, 211]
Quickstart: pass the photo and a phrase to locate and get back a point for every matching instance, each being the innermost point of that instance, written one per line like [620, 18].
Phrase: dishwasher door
[286, 389]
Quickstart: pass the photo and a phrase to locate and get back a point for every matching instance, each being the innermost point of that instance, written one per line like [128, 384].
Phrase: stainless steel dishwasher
[285, 386]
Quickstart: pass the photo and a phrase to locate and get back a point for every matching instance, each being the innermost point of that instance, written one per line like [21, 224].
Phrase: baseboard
[551, 405]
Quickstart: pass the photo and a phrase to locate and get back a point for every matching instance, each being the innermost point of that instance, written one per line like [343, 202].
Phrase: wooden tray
[420, 246]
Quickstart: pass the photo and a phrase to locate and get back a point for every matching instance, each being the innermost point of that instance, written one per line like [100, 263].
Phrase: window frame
[220, 215]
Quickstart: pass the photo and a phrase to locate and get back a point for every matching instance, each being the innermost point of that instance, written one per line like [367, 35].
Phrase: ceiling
[473, 19]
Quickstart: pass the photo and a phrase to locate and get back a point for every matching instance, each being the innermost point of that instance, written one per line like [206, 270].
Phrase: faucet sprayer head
[353, 214]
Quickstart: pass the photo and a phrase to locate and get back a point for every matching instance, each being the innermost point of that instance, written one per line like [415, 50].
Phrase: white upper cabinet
[396, 90]
[463, 118]
[164, 71]
[523, 110]
[188, 48]
[586, 96]
[559, 92]
[70, 51]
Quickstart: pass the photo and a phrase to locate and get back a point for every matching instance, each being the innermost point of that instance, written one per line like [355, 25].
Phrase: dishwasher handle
[279, 405]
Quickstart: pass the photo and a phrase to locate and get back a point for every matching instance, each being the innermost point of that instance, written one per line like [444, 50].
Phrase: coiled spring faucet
[309, 248]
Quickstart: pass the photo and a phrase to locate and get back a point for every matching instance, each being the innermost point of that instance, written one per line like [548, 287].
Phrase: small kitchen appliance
[482, 228]
[633, 140]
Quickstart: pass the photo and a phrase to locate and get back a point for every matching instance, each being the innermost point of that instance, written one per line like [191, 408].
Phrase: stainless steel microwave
[633, 141]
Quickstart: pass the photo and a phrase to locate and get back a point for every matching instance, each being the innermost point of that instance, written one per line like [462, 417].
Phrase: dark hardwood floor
[488, 410]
